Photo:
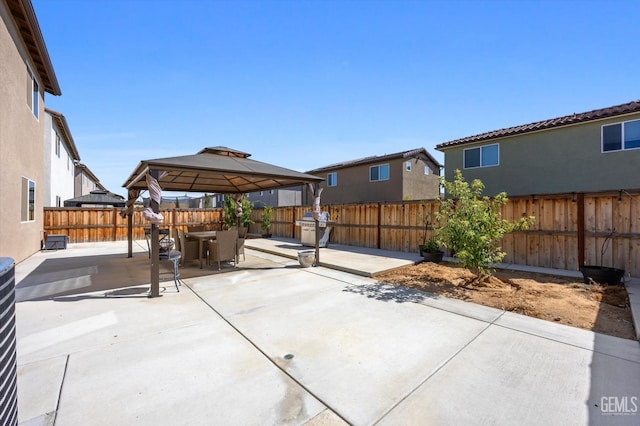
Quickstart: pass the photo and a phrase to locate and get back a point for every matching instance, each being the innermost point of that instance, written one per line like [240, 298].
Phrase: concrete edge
[633, 291]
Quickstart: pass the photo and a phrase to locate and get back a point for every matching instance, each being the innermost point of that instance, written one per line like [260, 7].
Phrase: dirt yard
[603, 309]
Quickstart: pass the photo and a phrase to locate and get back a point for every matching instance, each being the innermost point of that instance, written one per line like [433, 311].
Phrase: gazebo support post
[316, 191]
[129, 234]
[317, 262]
[155, 246]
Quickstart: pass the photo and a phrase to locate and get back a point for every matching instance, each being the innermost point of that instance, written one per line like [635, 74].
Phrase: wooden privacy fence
[569, 229]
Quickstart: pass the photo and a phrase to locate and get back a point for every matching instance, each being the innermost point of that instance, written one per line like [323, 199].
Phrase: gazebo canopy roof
[218, 169]
[98, 198]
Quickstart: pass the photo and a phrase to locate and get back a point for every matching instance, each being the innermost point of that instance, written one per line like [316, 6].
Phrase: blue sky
[303, 84]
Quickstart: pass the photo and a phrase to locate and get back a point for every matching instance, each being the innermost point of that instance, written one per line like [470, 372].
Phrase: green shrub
[267, 215]
[472, 225]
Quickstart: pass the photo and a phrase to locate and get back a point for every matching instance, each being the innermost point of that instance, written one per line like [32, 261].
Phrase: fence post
[378, 237]
[581, 230]
[114, 234]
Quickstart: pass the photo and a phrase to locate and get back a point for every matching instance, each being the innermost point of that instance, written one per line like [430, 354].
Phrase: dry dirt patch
[603, 309]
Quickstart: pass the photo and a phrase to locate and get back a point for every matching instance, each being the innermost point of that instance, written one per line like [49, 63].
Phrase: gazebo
[218, 170]
[96, 198]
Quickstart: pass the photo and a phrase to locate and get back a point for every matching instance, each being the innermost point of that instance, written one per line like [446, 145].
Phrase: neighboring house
[97, 199]
[407, 175]
[85, 181]
[26, 73]
[276, 197]
[181, 202]
[60, 156]
[588, 152]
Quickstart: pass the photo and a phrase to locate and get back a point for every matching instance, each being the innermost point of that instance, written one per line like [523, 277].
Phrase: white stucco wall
[59, 170]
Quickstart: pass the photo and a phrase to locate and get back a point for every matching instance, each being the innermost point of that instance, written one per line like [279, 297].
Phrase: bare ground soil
[599, 308]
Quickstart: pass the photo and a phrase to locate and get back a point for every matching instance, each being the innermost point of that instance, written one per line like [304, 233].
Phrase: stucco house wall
[21, 137]
[422, 182]
[276, 197]
[353, 184]
[85, 181]
[564, 159]
[59, 166]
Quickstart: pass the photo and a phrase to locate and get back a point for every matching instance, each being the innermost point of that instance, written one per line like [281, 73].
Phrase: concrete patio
[270, 342]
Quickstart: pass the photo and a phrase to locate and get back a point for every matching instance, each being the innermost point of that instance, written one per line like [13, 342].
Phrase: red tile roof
[597, 114]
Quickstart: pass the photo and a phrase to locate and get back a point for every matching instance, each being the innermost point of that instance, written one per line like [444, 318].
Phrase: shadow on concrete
[115, 274]
[389, 293]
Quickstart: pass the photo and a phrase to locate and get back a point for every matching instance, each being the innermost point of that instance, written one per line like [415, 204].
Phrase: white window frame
[335, 179]
[378, 167]
[58, 144]
[622, 147]
[427, 170]
[464, 164]
[28, 201]
[33, 93]
[407, 166]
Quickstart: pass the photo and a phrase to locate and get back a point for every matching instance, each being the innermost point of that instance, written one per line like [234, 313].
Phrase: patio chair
[224, 248]
[242, 235]
[176, 238]
[240, 249]
[188, 248]
[163, 234]
[174, 257]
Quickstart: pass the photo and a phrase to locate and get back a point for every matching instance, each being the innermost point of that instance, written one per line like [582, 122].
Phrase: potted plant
[267, 215]
[602, 274]
[430, 251]
[229, 214]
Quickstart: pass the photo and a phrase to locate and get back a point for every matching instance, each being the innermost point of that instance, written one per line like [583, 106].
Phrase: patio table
[201, 236]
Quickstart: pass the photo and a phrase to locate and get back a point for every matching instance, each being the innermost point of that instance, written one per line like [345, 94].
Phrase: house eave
[61, 121]
[26, 22]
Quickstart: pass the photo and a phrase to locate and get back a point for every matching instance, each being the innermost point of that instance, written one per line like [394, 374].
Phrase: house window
[58, 201]
[332, 179]
[33, 93]
[380, 172]
[58, 146]
[426, 170]
[28, 205]
[620, 136]
[407, 166]
[482, 156]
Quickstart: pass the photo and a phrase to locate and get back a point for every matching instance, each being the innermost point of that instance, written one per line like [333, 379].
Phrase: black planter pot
[432, 256]
[602, 274]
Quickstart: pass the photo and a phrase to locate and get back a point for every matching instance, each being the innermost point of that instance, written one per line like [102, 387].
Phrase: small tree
[472, 224]
[267, 215]
[229, 211]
